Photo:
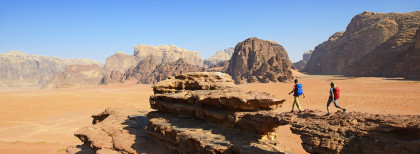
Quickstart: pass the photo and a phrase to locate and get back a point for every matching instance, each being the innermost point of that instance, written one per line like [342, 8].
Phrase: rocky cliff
[374, 44]
[260, 60]
[120, 62]
[20, 69]
[164, 53]
[300, 65]
[219, 56]
[76, 75]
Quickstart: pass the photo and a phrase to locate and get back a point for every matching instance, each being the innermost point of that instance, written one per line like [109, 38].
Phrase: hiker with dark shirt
[334, 96]
[297, 91]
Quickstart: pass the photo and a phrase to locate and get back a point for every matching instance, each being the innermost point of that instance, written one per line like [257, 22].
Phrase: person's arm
[292, 91]
[303, 95]
[332, 94]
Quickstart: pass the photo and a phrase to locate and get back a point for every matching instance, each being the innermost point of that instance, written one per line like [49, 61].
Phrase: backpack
[336, 92]
[299, 90]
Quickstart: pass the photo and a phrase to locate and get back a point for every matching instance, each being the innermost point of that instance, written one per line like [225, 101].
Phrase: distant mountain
[219, 56]
[76, 76]
[165, 53]
[120, 62]
[20, 69]
[374, 44]
[256, 60]
[300, 65]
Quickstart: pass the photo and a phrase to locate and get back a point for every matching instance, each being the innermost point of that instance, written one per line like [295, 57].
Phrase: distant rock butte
[76, 76]
[20, 69]
[374, 44]
[260, 60]
[165, 53]
[219, 56]
[120, 62]
[300, 65]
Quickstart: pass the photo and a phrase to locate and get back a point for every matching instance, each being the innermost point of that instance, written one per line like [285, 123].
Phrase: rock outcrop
[142, 70]
[117, 131]
[300, 65]
[120, 62]
[260, 60]
[374, 44]
[112, 78]
[76, 76]
[219, 56]
[167, 69]
[164, 53]
[219, 67]
[20, 69]
[206, 113]
[356, 132]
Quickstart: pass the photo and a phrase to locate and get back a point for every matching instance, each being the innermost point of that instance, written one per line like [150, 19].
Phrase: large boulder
[20, 69]
[374, 44]
[165, 53]
[76, 76]
[260, 60]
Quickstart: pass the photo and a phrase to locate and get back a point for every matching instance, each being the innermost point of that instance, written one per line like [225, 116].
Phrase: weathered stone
[219, 56]
[112, 78]
[267, 60]
[20, 69]
[164, 53]
[120, 62]
[76, 75]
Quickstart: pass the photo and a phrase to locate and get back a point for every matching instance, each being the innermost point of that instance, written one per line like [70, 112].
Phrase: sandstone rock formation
[206, 113]
[112, 78]
[76, 75]
[167, 69]
[374, 44]
[300, 65]
[260, 60]
[20, 69]
[219, 67]
[164, 53]
[142, 70]
[356, 132]
[117, 131]
[120, 62]
[219, 56]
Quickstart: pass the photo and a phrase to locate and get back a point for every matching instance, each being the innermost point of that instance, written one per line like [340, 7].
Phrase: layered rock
[142, 70]
[168, 69]
[117, 131]
[219, 56]
[219, 67]
[120, 62]
[300, 65]
[76, 75]
[112, 78]
[356, 132]
[206, 113]
[260, 60]
[164, 53]
[374, 44]
[20, 69]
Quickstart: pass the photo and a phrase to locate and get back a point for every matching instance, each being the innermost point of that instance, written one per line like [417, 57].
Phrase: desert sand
[43, 120]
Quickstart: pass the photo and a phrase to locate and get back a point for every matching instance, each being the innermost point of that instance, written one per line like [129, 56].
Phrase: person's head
[332, 84]
[296, 81]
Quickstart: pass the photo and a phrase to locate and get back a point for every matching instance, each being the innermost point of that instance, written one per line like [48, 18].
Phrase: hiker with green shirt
[297, 91]
[334, 96]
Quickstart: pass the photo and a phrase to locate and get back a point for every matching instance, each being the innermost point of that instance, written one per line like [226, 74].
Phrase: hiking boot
[300, 111]
[291, 111]
[328, 114]
[344, 110]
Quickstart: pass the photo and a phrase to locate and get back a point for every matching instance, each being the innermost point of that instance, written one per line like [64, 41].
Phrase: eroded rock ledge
[204, 113]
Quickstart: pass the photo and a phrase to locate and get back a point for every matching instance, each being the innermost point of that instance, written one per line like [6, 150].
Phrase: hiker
[297, 91]
[334, 96]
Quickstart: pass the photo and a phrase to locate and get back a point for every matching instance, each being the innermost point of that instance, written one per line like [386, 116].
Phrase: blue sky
[96, 29]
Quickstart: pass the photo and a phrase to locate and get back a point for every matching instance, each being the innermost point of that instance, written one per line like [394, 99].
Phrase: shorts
[331, 100]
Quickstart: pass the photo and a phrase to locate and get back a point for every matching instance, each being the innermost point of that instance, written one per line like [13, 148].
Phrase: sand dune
[43, 121]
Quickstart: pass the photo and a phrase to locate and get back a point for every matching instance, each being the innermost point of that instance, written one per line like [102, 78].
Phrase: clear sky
[95, 29]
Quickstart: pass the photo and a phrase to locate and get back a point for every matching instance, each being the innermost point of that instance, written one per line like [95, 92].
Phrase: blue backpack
[299, 90]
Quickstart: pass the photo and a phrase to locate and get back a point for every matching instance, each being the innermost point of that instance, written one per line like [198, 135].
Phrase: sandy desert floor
[43, 120]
